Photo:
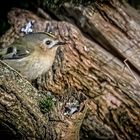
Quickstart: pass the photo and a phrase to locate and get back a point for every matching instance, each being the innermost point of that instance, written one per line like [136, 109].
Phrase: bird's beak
[58, 43]
[61, 43]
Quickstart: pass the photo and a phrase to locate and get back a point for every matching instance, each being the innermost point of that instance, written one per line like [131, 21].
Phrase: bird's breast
[32, 66]
[37, 66]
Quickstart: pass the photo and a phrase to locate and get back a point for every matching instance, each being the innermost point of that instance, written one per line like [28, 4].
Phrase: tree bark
[89, 70]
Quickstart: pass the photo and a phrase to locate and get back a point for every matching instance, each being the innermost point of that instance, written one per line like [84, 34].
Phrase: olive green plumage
[31, 55]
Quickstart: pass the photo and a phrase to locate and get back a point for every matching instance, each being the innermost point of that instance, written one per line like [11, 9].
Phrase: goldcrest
[32, 55]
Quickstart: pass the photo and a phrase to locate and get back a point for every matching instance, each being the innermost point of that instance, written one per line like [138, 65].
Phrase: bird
[32, 55]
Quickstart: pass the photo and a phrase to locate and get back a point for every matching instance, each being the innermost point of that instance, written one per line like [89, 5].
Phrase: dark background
[6, 5]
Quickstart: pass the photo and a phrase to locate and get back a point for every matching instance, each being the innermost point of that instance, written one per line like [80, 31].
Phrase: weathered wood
[88, 65]
[56, 125]
[113, 25]
[19, 107]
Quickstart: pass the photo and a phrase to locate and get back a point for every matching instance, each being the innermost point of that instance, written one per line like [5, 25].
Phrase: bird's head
[45, 41]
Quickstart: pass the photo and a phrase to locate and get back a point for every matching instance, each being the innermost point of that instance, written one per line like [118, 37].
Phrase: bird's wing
[17, 50]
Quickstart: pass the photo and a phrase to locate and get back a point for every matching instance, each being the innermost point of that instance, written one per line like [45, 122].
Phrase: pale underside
[32, 66]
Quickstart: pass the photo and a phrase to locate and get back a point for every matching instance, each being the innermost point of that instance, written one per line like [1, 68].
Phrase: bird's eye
[48, 42]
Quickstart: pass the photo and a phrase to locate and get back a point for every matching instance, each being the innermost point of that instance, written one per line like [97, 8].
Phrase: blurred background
[30, 5]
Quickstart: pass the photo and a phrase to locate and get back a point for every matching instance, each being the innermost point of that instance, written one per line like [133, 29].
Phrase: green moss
[46, 104]
[123, 118]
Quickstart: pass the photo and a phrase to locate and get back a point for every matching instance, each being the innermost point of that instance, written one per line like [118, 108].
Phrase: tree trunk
[88, 70]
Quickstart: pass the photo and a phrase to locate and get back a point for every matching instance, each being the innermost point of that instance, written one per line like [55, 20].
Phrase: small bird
[32, 55]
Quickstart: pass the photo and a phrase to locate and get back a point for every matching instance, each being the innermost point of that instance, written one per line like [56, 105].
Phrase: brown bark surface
[88, 69]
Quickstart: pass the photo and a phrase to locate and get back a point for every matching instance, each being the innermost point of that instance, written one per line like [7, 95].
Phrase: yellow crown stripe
[49, 34]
